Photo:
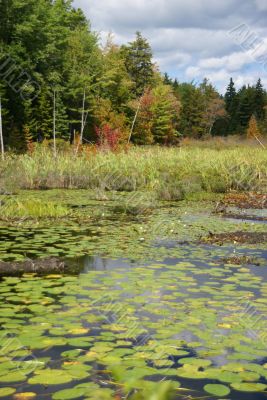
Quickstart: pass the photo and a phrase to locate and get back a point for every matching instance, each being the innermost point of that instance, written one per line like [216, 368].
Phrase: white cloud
[189, 37]
[261, 4]
[192, 72]
[232, 62]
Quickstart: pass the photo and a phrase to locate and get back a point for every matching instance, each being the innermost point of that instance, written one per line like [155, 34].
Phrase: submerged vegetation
[31, 208]
[123, 296]
[180, 319]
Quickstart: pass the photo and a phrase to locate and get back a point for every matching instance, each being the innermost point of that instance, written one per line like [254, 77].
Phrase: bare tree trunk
[54, 124]
[83, 120]
[134, 121]
[1, 132]
[258, 140]
[210, 128]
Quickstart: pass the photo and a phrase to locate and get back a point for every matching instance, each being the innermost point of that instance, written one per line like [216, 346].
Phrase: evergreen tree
[115, 81]
[83, 71]
[138, 60]
[62, 121]
[260, 101]
[166, 79]
[246, 107]
[166, 114]
[193, 106]
[44, 115]
[28, 139]
[51, 46]
[17, 142]
[231, 106]
[230, 96]
[175, 87]
[5, 114]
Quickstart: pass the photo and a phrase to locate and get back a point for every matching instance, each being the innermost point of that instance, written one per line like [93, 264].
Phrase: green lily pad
[9, 377]
[68, 394]
[7, 391]
[217, 390]
[249, 387]
[50, 377]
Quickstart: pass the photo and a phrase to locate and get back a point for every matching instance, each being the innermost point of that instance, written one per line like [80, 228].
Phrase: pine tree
[29, 121]
[246, 107]
[138, 60]
[17, 142]
[166, 114]
[28, 138]
[175, 87]
[84, 69]
[44, 115]
[62, 121]
[231, 106]
[4, 112]
[230, 96]
[166, 79]
[260, 101]
[193, 107]
[116, 84]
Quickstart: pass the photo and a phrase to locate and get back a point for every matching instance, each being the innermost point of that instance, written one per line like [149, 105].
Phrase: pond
[175, 314]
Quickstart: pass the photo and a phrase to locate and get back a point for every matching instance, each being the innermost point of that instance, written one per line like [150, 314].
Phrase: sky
[191, 39]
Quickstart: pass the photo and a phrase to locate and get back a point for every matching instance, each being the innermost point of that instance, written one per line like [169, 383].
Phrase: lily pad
[217, 390]
[50, 377]
[249, 387]
[7, 391]
[68, 394]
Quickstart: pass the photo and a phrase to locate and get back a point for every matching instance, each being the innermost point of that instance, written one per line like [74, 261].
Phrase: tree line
[56, 80]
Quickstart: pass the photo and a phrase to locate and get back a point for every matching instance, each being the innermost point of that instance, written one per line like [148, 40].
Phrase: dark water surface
[194, 299]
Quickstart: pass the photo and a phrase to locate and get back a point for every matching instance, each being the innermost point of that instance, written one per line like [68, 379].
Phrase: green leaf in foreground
[217, 390]
[50, 377]
[6, 391]
[249, 387]
[69, 394]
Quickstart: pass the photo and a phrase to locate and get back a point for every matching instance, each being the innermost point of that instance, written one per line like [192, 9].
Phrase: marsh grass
[31, 208]
[171, 173]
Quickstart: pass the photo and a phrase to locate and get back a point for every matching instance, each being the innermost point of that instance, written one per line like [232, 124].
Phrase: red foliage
[107, 137]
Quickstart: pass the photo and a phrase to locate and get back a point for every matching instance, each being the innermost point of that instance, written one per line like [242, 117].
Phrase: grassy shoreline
[169, 172]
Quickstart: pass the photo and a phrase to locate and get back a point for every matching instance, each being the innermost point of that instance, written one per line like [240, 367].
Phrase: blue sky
[190, 38]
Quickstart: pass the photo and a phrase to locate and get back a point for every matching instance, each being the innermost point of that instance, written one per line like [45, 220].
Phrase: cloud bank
[190, 38]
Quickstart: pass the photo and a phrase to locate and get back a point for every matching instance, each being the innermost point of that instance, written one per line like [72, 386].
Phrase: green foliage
[260, 101]
[51, 47]
[105, 115]
[17, 141]
[192, 168]
[116, 84]
[166, 113]
[158, 114]
[144, 119]
[241, 105]
[193, 106]
[32, 209]
[138, 55]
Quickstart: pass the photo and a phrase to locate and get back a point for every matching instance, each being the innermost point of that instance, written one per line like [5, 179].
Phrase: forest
[59, 82]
